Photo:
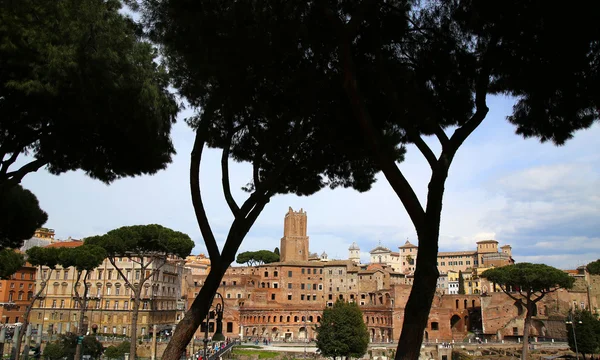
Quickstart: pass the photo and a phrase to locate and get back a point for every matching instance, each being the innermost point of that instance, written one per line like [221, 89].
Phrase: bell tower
[294, 243]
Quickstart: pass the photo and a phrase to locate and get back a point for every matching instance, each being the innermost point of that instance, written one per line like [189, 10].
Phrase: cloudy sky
[542, 200]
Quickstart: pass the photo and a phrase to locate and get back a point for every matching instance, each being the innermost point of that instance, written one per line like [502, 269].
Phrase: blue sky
[541, 199]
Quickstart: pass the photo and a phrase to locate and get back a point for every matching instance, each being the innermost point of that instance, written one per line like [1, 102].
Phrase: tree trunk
[195, 315]
[416, 312]
[525, 353]
[82, 306]
[134, 320]
[28, 311]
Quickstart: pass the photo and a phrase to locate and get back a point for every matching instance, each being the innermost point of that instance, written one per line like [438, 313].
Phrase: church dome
[354, 246]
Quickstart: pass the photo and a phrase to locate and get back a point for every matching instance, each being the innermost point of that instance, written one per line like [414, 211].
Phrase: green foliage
[10, 262]
[535, 277]
[594, 267]
[68, 344]
[461, 283]
[83, 258]
[342, 331]
[80, 89]
[587, 331]
[259, 257]
[276, 251]
[21, 215]
[117, 352]
[54, 351]
[143, 239]
[44, 256]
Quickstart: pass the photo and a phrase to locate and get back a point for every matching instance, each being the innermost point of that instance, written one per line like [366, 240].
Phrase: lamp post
[218, 335]
[571, 322]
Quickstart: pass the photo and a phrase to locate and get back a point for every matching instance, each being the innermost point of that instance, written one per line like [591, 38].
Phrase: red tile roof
[70, 244]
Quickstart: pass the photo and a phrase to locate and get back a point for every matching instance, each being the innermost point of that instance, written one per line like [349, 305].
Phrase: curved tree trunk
[418, 306]
[526, 326]
[19, 339]
[82, 305]
[134, 320]
[195, 315]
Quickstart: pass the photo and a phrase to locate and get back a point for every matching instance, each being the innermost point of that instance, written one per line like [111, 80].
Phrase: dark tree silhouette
[392, 73]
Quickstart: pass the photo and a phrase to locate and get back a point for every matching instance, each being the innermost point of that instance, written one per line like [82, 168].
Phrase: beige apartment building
[109, 300]
[404, 261]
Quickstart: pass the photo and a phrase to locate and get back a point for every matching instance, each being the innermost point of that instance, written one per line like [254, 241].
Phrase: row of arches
[465, 303]
[377, 320]
[268, 319]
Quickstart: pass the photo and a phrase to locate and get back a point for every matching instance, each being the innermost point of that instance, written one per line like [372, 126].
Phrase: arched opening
[426, 336]
[454, 322]
[465, 303]
[457, 303]
[302, 333]
[473, 303]
[318, 319]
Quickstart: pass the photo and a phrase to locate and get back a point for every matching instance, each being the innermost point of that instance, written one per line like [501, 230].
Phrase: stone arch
[455, 322]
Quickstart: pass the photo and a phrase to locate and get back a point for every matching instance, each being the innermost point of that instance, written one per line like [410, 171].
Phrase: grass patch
[249, 351]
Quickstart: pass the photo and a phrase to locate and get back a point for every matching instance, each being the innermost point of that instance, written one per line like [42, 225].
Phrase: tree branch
[8, 162]
[201, 218]
[387, 164]
[481, 89]
[509, 294]
[15, 177]
[225, 175]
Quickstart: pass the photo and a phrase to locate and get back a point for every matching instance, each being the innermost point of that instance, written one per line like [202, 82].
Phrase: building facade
[16, 294]
[283, 301]
[109, 301]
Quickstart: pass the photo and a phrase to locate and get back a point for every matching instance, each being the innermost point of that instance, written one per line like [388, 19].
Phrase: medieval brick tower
[294, 243]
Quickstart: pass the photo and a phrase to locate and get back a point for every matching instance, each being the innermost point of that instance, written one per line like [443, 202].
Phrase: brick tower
[294, 243]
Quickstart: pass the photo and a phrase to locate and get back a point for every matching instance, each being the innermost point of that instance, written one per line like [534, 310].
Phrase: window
[289, 296]
[229, 326]
[289, 285]
[290, 273]
[435, 326]
[272, 296]
[302, 297]
[302, 286]
[303, 270]
[275, 273]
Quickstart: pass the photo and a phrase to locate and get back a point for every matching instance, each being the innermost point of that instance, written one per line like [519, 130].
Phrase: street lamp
[571, 322]
[218, 335]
